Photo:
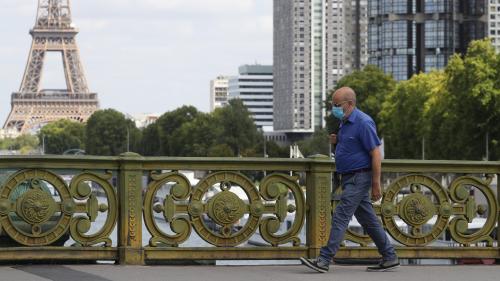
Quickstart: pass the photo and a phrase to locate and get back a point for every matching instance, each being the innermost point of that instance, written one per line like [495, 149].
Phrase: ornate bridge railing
[136, 210]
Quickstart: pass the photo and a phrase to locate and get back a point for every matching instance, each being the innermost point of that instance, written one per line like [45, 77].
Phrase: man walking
[358, 161]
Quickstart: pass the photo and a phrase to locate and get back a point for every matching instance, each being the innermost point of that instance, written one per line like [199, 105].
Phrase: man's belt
[356, 171]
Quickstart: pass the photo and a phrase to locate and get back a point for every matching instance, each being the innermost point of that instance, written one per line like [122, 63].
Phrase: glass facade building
[412, 36]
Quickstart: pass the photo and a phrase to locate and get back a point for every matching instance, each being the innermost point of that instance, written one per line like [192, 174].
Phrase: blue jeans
[356, 201]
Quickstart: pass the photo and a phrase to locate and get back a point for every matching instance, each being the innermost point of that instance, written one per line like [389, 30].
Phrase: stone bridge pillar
[318, 195]
[130, 220]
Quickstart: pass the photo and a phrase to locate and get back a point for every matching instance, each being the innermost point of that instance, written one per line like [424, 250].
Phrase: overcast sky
[144, 56]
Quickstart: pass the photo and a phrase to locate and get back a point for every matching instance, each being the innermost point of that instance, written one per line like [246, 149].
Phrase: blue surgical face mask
[338, 112]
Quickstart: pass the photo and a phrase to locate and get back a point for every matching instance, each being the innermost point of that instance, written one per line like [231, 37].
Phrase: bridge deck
[241, 273]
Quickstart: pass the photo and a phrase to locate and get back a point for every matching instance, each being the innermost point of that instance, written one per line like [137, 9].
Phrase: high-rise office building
[316, 42]
[347, 39]
[254, 86]
[412, 36]
[218, 92]
[494, 22]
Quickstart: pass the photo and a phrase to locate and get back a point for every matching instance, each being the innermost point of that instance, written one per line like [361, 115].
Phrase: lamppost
[128, 139]
[265, 146]
[487, 146]
[43, 144]
[261, 130]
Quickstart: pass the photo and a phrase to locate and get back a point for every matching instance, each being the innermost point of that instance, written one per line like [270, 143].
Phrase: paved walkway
[241, 273]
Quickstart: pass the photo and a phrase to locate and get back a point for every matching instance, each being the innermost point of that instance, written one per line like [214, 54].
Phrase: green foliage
[227, 132]
[168, 123]
[134, 137]
[318, 143]
[220, 150]
[402, 118]
[24, 143]
[62, 135]
[107, 133]
[238, 130]
[469, 109]
[453, 110]
[150, 144]
[275, 151]
[195, 138]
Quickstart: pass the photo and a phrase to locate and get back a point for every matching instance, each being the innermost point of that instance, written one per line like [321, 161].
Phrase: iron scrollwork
[466, 209]
[179, 224]
[276, 187]
[184, 209]
[417, 209]
[226, 236]
[81, 224]
[32, 216]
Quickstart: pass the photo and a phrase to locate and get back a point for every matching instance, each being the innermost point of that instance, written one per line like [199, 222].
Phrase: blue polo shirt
[357, 136]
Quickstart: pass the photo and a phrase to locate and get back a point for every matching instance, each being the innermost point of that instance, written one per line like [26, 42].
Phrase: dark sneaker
[318, 265]
[384, 266]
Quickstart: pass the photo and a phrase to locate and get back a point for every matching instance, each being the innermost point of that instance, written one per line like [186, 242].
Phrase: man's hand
[376, 191]
[333, 138]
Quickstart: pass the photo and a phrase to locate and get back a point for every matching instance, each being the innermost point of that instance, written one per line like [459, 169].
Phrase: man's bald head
[344, 94]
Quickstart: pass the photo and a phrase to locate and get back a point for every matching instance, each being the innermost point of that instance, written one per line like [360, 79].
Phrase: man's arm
[376, 172]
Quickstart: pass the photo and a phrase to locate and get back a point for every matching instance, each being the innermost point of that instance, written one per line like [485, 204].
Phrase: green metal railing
[135, 210]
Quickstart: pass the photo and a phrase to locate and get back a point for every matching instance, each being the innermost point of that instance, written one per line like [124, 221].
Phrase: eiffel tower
[33, 107]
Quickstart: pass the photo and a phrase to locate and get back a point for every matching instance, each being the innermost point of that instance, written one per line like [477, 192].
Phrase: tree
[402, 118]
[318, 143]
[227, 132]
[220, 150]
[237, 128]
[150, 143]
[195, 138]
[276, 151]
[62, 135]
[134, 137]
[107, 133]
[168, 123]
[24, 143]
[469, 109]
